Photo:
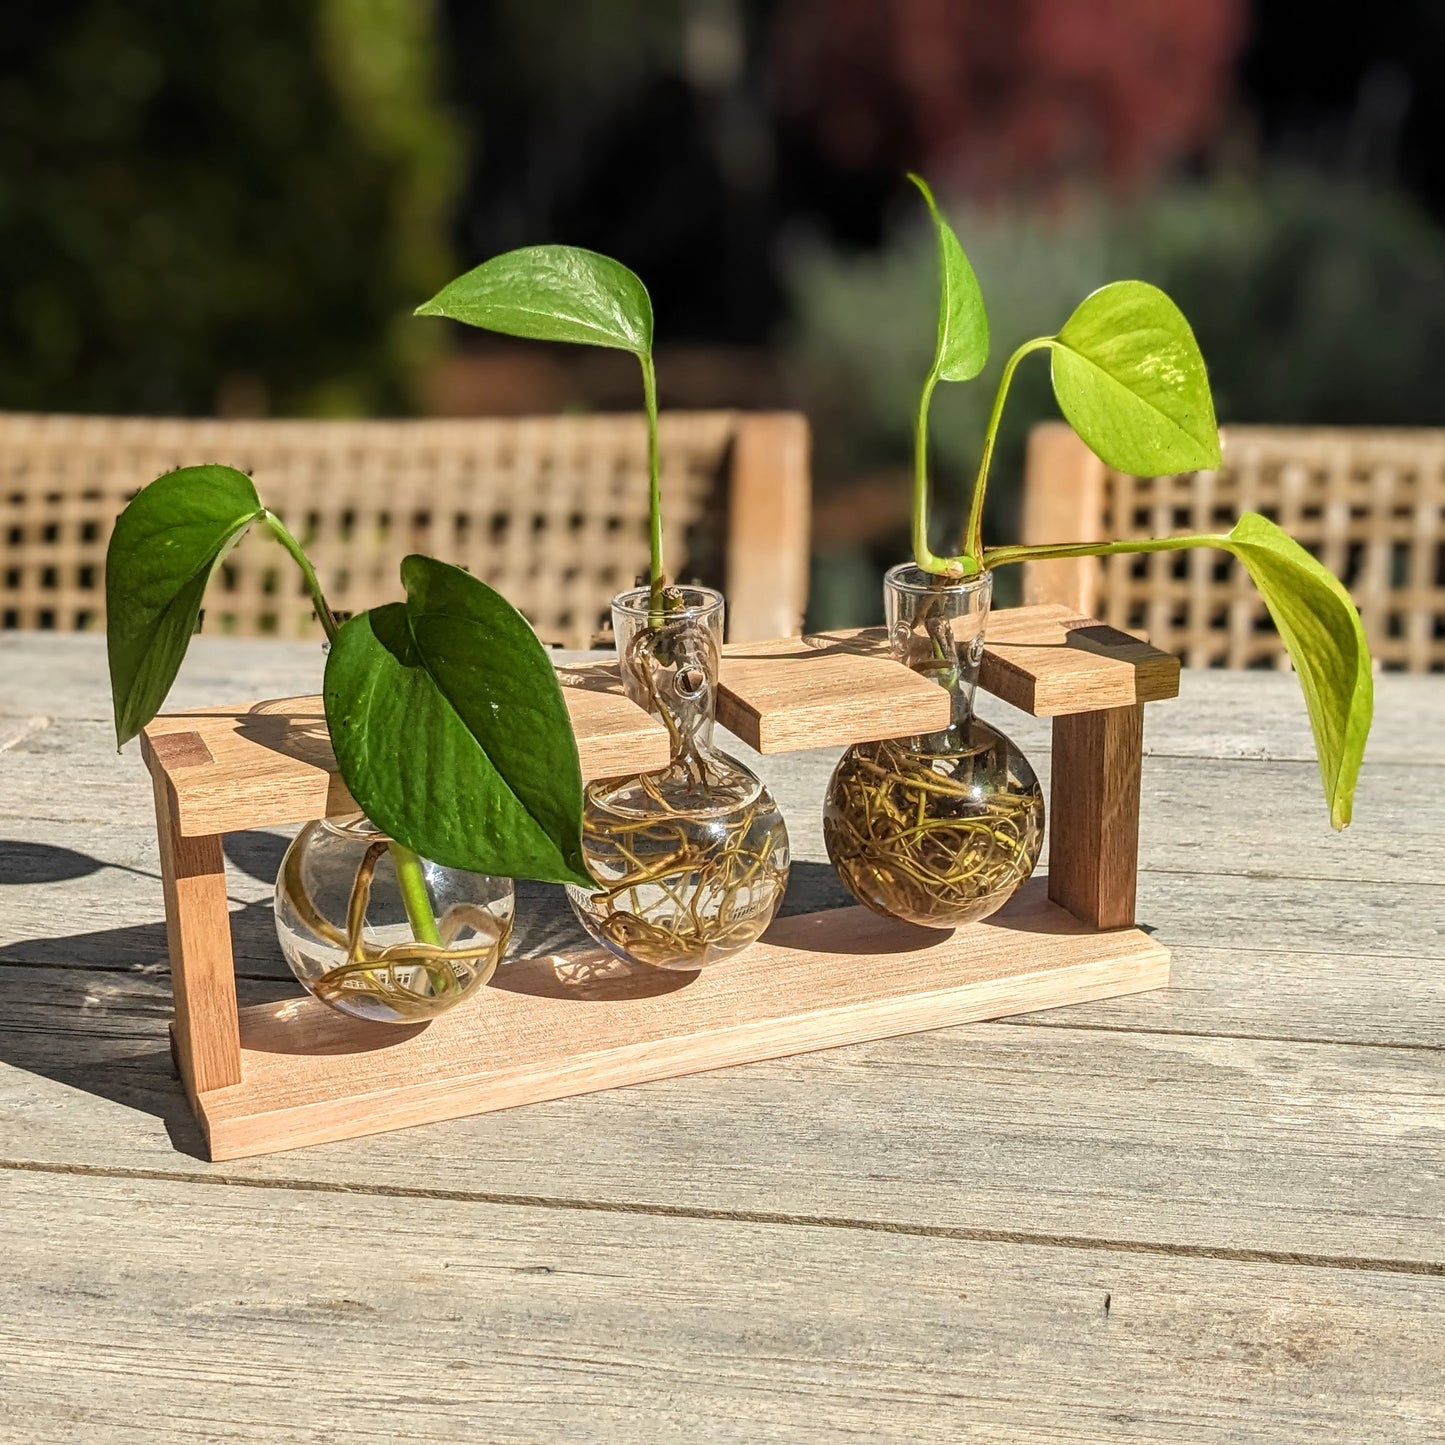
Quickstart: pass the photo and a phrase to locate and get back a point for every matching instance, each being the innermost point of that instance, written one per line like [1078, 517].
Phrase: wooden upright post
[207, 1031]
[1094, 814]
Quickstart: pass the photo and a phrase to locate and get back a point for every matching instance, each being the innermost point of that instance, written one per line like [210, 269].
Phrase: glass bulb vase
[351, 932]
[692, 861]
[940, 829]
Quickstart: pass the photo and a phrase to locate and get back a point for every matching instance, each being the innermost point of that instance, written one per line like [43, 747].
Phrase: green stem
[973, 531]
[654, 492]
[923, 556]
[1005, 556]
[412, 881]
[409, 875]
[313, 584]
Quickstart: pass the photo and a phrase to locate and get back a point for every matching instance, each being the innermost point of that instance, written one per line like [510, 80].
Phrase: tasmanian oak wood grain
[198, 930]
[1094, 814]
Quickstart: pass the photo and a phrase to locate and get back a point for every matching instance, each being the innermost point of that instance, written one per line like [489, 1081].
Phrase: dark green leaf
[450, 730]
[1321, 631]
[962, 318]
[1129, 377]
[161, 555]
[552, 293]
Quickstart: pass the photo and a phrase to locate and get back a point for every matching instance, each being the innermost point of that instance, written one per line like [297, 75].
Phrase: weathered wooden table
[1204, 1214]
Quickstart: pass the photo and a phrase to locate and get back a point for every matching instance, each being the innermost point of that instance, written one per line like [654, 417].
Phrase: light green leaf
[1129, 377]
[962, 347]
[451, 732]
[552, 293]
[162, 552]
[1318, 624]
[1321, 631]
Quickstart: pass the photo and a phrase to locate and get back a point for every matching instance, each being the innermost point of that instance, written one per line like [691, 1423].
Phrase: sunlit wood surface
[1205, 1214]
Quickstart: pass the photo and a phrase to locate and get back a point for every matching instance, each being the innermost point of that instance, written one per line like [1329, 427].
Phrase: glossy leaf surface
[962, 349]
[552, 293]
[1129, 377]
[162, 552]
[450, 730]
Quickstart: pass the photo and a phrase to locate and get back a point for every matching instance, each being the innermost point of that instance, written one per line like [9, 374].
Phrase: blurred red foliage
[989, 96]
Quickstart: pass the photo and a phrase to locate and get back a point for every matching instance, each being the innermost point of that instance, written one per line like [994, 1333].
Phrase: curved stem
[1004, 556]
[923, 556]
[313, 584]
[973, 530]
[654, 492]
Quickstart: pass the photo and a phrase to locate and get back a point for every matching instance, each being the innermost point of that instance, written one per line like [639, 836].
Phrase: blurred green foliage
[231, 205]
[1314, 299]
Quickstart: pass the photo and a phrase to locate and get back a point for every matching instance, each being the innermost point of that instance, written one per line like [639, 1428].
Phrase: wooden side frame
[281, 1076]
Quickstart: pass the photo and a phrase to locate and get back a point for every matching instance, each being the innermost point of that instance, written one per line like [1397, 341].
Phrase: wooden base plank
[556, 1026]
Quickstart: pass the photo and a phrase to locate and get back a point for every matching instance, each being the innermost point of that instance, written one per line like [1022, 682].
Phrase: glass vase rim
[700, 604]
[355, 825]
[911, 579]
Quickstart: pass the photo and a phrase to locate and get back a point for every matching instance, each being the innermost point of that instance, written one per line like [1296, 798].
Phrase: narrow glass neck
[936, 628]
[670, 665]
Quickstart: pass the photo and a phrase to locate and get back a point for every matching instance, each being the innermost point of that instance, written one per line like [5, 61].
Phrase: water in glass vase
[940, 829]
[356, 940]
[692, 861]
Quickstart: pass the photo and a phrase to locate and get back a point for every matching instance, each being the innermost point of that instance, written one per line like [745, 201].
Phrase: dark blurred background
[233, 207]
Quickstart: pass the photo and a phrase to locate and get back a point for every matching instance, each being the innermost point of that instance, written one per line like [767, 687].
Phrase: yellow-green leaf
[1321, 631]
[962, 318]
[1130, 379]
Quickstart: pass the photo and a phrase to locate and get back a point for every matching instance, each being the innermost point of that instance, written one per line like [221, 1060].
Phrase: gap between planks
[217, 1178]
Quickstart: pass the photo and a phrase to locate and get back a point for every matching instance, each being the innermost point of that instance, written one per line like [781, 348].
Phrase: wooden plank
[238, 1315]
[198, 928]
[267, 764]
[1049, 661]
[836, 688]
[1094, 814]
[823, 691]
[310, 1075]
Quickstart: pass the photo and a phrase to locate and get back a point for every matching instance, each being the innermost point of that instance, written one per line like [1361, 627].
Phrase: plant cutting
[690, 862]
[449, 729]
[944, 828]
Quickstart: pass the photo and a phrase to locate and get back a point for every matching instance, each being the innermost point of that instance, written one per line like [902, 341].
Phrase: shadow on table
[91, 1010]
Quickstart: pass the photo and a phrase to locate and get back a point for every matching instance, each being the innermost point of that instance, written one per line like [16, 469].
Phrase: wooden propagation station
[282, 1075]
